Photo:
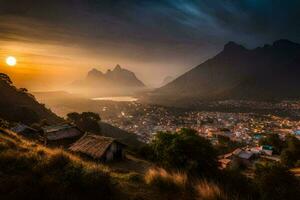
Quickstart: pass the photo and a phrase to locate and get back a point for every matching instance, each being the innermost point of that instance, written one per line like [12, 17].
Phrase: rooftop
[92, 145]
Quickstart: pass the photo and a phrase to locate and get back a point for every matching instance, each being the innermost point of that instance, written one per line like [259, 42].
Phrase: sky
[59, 41]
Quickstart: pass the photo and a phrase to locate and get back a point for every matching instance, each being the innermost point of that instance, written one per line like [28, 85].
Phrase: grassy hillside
[30, 170]
[37, 172]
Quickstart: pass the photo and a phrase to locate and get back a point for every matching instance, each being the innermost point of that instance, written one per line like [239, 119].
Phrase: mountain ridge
[236, 72]
[118, 81]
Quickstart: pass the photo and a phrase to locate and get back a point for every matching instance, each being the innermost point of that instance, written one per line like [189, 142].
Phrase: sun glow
[11, 61]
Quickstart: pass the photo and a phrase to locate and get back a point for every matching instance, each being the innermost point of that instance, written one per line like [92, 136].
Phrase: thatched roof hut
[99, 147]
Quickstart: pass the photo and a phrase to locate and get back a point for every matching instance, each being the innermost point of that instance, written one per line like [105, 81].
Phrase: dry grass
[176, 181]
[32, 170]
[206, 190]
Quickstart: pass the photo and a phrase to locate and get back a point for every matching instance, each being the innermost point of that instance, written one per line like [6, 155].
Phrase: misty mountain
[17, 105]
[167, 80]
[263, 73]
[118, 81]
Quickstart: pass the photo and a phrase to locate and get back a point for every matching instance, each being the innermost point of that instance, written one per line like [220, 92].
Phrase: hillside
[263, 73]
[18, 105]
[118, 81]
[33, 171]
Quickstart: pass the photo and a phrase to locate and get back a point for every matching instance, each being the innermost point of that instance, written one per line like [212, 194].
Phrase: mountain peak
[232, 46]
[116, 79]
[117, 68]
[284, 43]
[93, 73]
[94, 70]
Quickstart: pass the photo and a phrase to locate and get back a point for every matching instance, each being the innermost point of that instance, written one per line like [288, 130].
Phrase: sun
[11, 61]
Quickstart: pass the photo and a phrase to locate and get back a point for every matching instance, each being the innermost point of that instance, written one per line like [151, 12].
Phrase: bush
[185, 150]
[87, 121]
[276, 182]
[290, 156]
[274, 141]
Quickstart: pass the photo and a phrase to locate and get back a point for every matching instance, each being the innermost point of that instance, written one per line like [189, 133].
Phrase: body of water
[121, 98]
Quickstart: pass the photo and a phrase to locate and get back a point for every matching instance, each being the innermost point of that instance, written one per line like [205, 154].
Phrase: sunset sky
[58, 41]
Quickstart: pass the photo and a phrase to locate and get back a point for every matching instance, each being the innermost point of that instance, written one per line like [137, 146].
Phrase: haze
[58, 41]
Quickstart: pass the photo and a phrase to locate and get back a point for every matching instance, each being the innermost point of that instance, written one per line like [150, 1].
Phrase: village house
[237, 157]
[100, 148]
[61, 134]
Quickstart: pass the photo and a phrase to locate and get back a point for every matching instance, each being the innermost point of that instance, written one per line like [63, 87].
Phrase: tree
[274, 141]
[87, 121]
[184, 150]
[276, 182]
[73, 116]
[5, 78]
[291, 155]
[91, 116]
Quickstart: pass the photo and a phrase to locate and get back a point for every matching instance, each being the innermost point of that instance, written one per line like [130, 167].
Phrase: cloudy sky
[58, 41]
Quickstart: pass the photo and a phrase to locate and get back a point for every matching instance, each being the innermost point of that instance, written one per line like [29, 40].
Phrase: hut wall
[114, 152]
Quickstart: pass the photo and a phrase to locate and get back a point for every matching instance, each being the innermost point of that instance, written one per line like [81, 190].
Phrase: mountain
[263, 73]
[167, 80]
[118, 81]
[17, 105]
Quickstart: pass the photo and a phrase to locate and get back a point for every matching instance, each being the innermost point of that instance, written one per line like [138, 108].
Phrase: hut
[27, 131]
[100, 148]
[61, 134]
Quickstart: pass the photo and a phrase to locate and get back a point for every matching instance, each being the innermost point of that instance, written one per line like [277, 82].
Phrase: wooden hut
[62, 134]
[99, 148]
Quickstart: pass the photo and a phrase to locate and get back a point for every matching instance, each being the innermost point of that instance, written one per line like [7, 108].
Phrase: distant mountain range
[118, 81]
[264, 73]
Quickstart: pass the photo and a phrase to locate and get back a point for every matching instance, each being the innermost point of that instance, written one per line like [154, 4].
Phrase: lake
[121, 98]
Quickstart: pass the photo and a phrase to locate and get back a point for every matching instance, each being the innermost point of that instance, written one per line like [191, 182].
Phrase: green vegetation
[290, 156]
[173, 151]
[276, 182]
[33, 171]
[225, 145]
[195, 158]
[86, 121]
[274, 141]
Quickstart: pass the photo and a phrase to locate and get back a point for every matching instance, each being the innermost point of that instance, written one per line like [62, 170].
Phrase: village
[243, 129]
[237, 136]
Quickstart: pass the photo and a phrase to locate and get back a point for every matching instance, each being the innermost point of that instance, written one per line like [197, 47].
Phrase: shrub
[276, 182]
[185, 150]
[291, 155]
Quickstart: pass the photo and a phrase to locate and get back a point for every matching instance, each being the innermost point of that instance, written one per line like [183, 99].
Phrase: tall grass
[180, 183]
[36, 172]
[206, 190]
[165, 180]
